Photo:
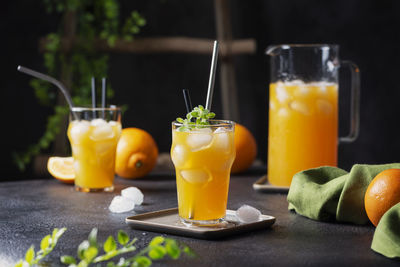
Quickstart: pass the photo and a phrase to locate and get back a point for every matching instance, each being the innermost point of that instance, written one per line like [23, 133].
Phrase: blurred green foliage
[94, 19]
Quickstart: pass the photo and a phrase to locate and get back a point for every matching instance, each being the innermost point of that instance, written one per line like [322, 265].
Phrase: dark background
[151, 85]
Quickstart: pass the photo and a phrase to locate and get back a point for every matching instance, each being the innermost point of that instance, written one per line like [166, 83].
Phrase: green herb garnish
[197, 118]
[89, 251]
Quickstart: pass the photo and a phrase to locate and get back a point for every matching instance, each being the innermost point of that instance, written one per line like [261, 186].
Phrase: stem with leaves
[46, 246]
[89, 251]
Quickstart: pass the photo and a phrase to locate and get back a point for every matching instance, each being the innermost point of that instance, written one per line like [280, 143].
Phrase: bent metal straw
[53, 81]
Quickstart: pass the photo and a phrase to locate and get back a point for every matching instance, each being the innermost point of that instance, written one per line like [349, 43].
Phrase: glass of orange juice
[203, 157]
[94, 134]
[303, 109]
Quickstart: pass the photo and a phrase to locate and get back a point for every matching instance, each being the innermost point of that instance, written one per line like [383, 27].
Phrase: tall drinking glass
[203, 157]
[94, 134]
[303, 109]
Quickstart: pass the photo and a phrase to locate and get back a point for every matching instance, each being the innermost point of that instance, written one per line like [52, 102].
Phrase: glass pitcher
[303, 109]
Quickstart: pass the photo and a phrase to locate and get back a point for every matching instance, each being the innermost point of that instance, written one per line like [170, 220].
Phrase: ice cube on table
[221, 138]
[78, 130]
[134, 194]
[195, 176]
[179, 154]
[248, 214]
[101, 132]
[121, 204]
[198, 140]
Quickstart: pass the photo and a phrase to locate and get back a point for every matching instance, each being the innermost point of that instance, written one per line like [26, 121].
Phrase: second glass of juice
[203, 157]
[94, 134]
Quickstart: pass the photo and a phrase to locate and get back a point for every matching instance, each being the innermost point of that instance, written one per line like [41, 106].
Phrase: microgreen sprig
[198, 117]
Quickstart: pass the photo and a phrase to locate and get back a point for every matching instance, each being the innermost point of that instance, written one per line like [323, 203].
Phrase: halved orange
[62, 168]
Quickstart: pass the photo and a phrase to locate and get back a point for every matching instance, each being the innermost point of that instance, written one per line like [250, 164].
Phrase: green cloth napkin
[386, 239]
[329, 194]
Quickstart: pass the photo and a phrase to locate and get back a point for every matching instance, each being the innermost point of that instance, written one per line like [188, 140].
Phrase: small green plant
[91, 252]
[46, 246]
[198, 117]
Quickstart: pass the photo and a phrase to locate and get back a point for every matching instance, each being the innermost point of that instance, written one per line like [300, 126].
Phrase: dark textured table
[29, 210]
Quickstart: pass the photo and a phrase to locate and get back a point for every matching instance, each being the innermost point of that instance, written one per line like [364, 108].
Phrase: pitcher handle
[355, 103]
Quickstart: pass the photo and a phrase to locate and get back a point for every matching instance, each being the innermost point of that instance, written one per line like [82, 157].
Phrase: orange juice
[94, 146]
[303, 128]
[203, 159]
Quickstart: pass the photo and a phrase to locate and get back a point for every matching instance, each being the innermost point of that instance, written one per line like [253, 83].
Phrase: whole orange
[382, 193]
[246, 149]
[137, 153]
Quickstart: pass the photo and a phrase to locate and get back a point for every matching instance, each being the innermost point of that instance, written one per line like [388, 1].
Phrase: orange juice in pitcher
[303, 109]
[302, 128]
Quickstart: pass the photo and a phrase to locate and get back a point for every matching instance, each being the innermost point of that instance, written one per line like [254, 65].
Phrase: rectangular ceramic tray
[168, 222]
[262, 185]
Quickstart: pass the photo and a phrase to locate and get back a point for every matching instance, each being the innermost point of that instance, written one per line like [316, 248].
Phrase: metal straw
[93, 92]
[211, 81]
[103, 92]
[188, 102]
[103, 95]
[53, 81]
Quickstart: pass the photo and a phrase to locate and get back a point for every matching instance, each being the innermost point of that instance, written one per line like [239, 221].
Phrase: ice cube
[77, 166]
[296, 82]
[134, 194]
[221, 139]
[104, 147]
[97, 122]
[78, 130]
[281, 93]
[179, 154]
[272, 105]
[101, 132]
[248, 214]
[324, 106]
[299, 107]
[202, 130]
[198, 140]
[303, 90]
[121, 204]
[220, 130]
[322, 88]
[284, 112]
[195, 176]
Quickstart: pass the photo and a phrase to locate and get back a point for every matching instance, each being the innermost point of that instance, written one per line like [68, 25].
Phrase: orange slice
[62, 168]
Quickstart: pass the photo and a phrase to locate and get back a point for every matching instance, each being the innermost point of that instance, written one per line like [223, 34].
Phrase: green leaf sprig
[89, 251]
[46, 246]
[197, 118]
